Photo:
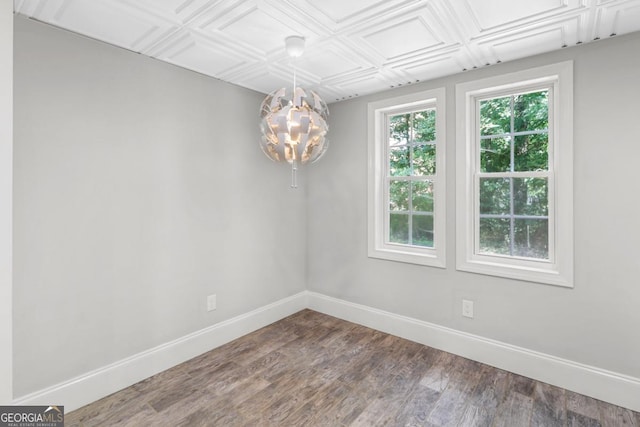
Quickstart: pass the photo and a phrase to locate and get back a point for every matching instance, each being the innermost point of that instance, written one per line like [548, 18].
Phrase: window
[406, 179]
[514, 175]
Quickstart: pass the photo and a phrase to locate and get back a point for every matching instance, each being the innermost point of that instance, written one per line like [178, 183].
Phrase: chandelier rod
[294, 162]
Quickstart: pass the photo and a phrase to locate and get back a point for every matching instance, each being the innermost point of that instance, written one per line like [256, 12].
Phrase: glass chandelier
[294, 122]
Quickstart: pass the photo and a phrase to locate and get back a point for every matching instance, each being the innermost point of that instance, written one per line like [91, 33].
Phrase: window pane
[531, 238]
[495, 236]
[424, 160]
[399, 129]
[530, 196]
[399, 161]
[399, 228]
[399, 195]
[424, 126]
[495, 155]
[530, 111]
[495, 116]
[422, 232]
[495, 196]
[531, 152]
[422, 196]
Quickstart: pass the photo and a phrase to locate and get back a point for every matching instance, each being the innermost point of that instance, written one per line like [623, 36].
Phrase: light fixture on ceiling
[294, 122]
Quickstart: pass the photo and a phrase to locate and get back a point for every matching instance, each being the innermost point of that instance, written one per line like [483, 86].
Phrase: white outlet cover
[211, 302]
[467, 308]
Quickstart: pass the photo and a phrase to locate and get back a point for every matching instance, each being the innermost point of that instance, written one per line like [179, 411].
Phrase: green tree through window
[411, 171]
[513, 175]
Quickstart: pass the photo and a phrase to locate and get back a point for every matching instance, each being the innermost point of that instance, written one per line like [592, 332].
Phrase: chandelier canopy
[294, 122]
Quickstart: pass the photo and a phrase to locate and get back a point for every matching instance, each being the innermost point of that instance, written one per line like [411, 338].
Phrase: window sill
[409, 255]
[534, 272]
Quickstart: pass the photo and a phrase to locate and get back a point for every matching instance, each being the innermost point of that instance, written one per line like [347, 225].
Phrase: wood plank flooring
[315, 370]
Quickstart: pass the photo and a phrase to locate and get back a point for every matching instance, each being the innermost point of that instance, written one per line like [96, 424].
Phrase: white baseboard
[601, 384]
[97, 384]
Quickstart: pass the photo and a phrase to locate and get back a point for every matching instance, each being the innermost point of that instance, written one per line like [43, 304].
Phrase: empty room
[329, 213]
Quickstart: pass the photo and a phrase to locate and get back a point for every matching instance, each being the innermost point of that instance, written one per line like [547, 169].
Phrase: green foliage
[399, 228]
[399, 195]
[421, 229]
[529, 113]
[529, 196]
[412, 144]
[412, 153]
[495, 154]
[514, 138]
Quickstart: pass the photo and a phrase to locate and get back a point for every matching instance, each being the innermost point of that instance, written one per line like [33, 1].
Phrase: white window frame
[378, 200]
[558, 269]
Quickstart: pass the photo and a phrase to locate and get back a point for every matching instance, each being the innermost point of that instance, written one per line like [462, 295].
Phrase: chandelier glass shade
[294, 122]
[294, 127]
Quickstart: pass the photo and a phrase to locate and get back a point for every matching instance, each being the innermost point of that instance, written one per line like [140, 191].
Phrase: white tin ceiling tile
[353, 46]
[253, 27]
[514, 15]
[340, 15]
[247, 70]
[341, 10]
[535, 41]
[458, 18]
[473, 56]
[181, 10]
[256, 28]
[214, 10]
[335, 17]
[618, 18]
[496, 13]
[153, 45]
[424, 67]
[282, 73]
[402, 38]
[304, 78]
[586, 29]
[43, 10]
[95, 19]
[150, 9]
[438, 15]
[431, 69]
[28, 7]
[361, 86]
[24, 7]
[200, 55]
[296, 14]
[162, 46]
[353, 77]
[219, 42]
[328, 60]
[501, 12]
[264, 82]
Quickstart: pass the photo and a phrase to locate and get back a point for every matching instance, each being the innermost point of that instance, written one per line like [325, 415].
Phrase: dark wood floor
[315, 370]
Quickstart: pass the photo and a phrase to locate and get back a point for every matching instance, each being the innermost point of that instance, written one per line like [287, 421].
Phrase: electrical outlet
[467, 308]
[211, 302]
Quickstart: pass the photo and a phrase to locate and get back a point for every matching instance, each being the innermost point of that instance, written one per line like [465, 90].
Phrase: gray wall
[595, 323]
[139, 189]
[6, 199]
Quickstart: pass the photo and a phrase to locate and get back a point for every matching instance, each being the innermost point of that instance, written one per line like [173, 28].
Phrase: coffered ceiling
[354, 47]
